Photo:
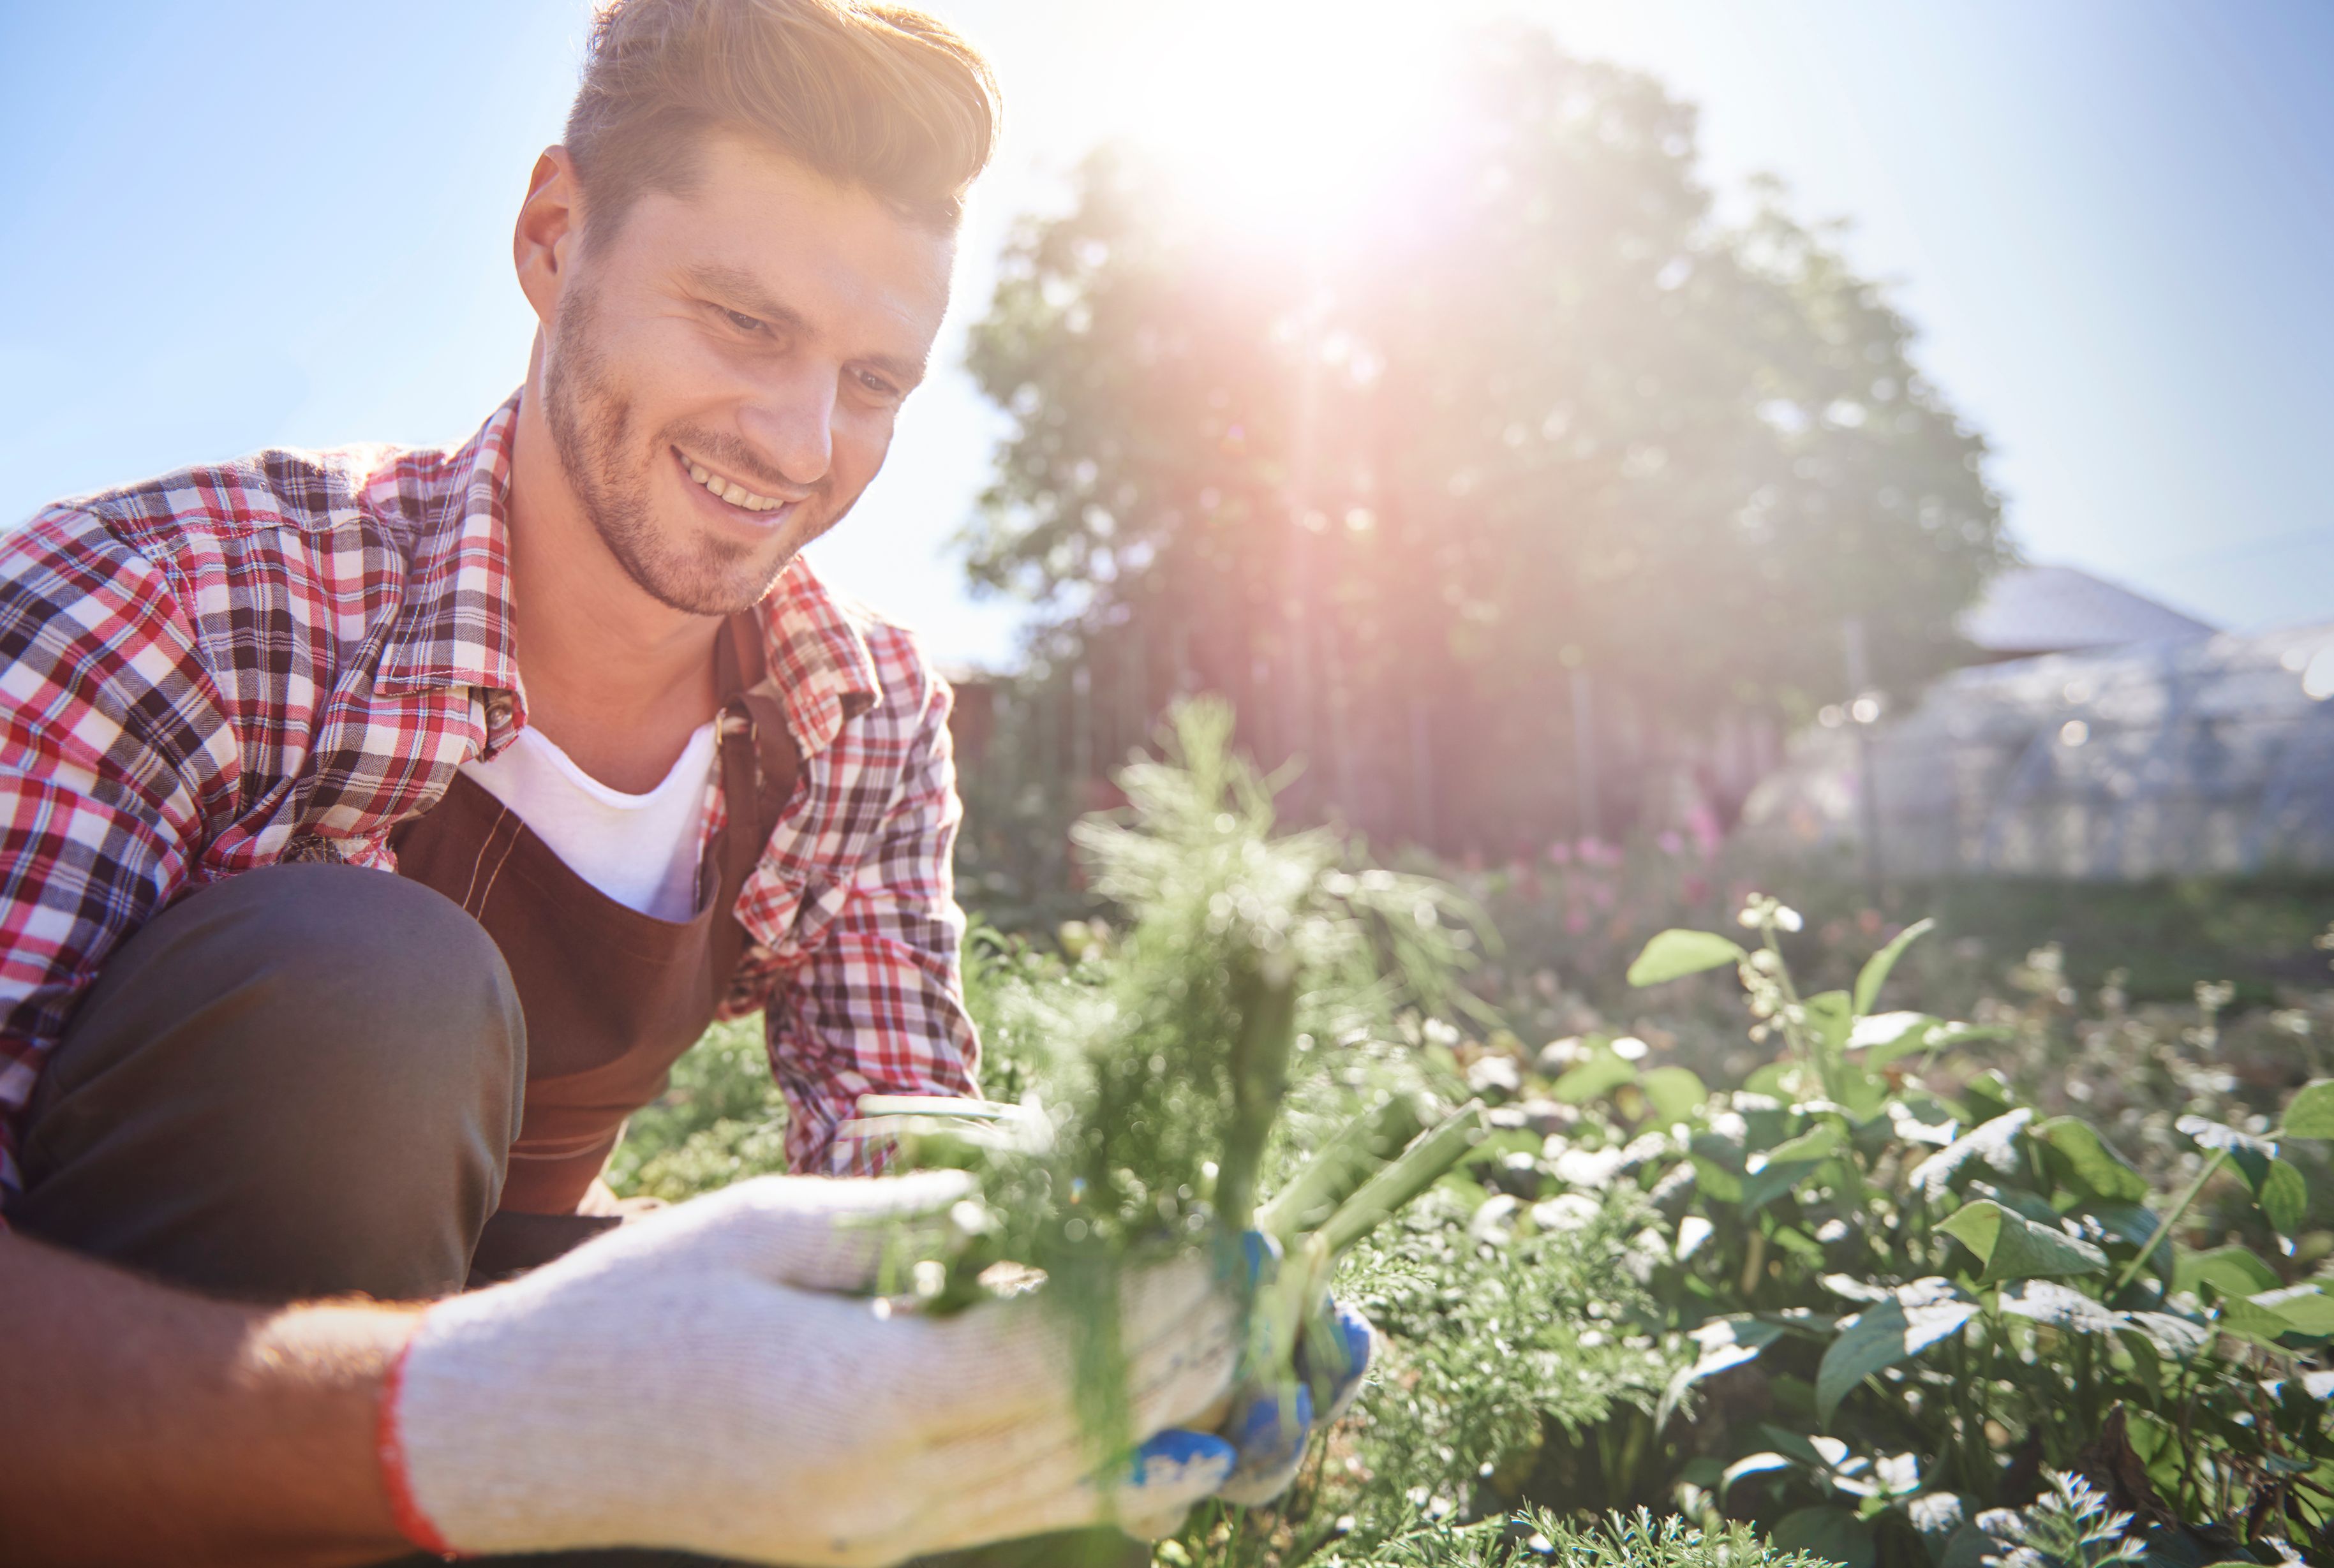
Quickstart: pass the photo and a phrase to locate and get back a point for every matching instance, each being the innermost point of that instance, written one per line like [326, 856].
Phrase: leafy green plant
[1255, 972]
[1535, 1535]
[2071, 1525]
[1946, 1293]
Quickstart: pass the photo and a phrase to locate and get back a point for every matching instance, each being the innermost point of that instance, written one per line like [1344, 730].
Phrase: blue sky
[252, 221]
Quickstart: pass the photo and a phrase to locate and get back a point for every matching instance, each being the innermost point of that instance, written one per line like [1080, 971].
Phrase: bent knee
[334, 967]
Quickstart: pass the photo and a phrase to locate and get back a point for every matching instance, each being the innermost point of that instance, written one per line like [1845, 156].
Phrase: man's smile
[724, 488]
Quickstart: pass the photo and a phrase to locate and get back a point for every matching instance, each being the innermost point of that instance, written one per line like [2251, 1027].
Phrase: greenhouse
[2199, 755]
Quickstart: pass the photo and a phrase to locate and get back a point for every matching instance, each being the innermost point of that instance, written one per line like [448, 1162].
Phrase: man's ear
[550, 225]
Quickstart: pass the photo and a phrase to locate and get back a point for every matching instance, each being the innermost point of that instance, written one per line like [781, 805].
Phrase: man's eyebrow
[741, 291]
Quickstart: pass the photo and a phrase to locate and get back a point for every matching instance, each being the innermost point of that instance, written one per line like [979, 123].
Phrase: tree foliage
[1546, 410]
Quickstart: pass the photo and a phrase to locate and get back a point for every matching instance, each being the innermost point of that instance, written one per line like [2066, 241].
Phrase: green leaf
[2090, 1163]
[2284, 1197]
[1831, 1016]
[1800, 1245]
[1725, 1343]
[1719, 1182]
[2311, 1112]
[1593, 1079]
[1769, 1173]
[2018, 1200]
[1883, 1038]
[2289, 1318]
[2011, 1246]
[2306, 1308]
[1967, 1547]
[1772, 1180]
[1820, 1141]
[2169, 1334]
[1750, 1464]
[1881, 1336]
[2155, 1442]
[1875, 973]
[2250, 1155]
[2060, 1307]
[2231, 1271]
[1949, 1034]
[1828, 1531]
[1988, 1095]
[1674, 1093]
[1801, 1448]
[1994, 1143]
[2129, 1222]
[1675, 953]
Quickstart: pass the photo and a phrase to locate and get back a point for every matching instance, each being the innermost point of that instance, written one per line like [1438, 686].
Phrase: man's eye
[877, 385]
[746, 324]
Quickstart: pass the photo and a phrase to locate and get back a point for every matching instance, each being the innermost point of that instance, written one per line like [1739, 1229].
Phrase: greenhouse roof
[2032, 610]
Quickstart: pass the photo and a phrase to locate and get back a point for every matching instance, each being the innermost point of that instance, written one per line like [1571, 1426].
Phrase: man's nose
[792, 423]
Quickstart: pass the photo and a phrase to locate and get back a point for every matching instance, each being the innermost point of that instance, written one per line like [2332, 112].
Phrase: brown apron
[611, 996]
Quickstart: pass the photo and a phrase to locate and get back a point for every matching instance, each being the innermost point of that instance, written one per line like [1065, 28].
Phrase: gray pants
[303, 1082]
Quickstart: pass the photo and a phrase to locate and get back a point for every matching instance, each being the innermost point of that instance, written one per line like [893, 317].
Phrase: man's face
[722, 372]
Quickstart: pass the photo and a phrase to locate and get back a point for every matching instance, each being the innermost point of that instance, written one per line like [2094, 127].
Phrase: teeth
[737, 495]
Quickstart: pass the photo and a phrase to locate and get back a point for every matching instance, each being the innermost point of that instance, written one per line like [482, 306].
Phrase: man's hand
[700, 1379]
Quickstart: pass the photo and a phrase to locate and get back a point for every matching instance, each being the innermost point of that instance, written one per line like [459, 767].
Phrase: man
[377, 826]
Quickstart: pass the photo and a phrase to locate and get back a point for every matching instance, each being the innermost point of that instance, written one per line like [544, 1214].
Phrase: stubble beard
[591, 423]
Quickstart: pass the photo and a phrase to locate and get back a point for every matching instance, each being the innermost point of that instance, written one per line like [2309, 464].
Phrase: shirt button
[500, 708]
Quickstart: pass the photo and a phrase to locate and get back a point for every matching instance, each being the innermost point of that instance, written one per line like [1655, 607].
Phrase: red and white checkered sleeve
[110, 738]
[879, 1007]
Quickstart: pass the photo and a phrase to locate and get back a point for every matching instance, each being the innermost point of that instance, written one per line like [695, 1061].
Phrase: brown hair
[869, 94]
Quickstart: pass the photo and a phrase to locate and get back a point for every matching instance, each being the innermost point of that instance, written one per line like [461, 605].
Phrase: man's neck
[615, 679]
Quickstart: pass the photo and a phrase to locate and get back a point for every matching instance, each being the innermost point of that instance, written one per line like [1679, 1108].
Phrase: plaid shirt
[280, 657]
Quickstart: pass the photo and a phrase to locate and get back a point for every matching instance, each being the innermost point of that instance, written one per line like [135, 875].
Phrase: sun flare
[1284, 120]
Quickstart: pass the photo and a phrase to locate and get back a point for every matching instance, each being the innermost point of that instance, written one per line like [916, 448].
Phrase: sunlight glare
[1285, 119]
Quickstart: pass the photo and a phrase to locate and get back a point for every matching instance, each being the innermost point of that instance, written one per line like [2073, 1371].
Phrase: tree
[1547, 414]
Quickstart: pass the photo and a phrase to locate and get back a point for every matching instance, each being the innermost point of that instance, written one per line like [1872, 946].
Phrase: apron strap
[759, 760]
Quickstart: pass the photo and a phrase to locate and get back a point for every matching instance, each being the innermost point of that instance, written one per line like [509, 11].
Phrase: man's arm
[879, 1008]
[140, 1423]
[792, 1421]
[112, 747]
[148, 1425]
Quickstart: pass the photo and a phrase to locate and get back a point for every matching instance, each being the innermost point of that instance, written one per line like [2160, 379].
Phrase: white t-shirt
[641, 851]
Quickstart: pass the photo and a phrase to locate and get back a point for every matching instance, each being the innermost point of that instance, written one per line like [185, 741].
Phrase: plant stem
[1754, 1258]
[1296, 1294]
[1339, 1167]
[1266, 998]
[1417, 1168]
[2163, 1226]
[1794, 1017]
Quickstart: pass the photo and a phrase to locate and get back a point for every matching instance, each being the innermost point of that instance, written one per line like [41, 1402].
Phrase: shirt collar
[816, 658]
[455, 627]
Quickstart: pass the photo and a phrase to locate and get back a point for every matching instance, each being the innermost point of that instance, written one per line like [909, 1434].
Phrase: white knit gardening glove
[696, 1380]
